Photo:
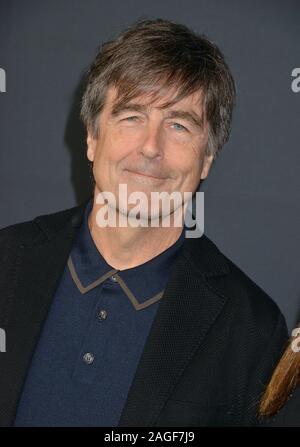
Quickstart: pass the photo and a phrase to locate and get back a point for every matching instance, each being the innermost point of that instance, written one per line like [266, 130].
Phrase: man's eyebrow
[192, 117]
[117, 109]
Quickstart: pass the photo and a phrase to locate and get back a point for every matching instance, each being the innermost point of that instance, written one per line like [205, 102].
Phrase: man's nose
[152, 145]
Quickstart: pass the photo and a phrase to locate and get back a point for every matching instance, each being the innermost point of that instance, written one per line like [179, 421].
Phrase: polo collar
[144, 284]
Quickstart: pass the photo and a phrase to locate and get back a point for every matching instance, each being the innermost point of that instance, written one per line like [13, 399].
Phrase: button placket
[91, 357]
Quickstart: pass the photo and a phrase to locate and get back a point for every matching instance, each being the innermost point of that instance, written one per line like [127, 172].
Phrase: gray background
[252, 207]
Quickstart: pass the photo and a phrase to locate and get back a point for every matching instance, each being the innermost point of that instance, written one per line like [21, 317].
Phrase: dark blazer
[212, 347]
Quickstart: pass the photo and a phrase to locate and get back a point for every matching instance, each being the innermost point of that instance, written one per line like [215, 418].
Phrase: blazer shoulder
[247, 297]
[31, 231]
[14, 234]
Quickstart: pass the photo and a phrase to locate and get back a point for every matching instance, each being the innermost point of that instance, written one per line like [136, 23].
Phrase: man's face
[148, 148]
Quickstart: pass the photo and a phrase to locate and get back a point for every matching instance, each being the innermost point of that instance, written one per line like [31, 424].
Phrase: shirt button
[88, 358]
[113, 278]
[102, 314]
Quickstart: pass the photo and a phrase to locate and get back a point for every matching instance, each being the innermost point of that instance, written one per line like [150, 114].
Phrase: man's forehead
[195, 99]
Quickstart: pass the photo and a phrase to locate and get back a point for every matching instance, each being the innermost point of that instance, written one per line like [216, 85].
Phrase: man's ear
[208, 159]
[91, 146]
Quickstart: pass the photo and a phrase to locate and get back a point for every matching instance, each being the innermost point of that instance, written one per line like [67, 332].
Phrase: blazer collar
[187, 310]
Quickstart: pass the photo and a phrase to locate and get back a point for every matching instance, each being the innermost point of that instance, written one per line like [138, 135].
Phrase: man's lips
[146, 174]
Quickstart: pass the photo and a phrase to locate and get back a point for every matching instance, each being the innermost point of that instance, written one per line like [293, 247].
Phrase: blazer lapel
[187, 310]
[40, 264]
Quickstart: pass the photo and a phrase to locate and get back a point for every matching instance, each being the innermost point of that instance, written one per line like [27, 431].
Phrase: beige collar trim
[127, 291]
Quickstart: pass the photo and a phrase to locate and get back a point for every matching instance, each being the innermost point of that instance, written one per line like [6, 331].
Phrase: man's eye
[131, 118]
[180, 127]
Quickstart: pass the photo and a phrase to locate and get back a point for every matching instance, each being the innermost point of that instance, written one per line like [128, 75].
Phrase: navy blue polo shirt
[93, 337]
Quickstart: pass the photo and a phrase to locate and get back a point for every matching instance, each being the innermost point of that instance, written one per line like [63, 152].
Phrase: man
[135, 325]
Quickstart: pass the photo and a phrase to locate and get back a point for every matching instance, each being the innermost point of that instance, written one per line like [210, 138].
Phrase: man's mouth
[145, 174]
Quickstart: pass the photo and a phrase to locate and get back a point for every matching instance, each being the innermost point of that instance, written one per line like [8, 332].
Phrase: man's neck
[128, 247]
